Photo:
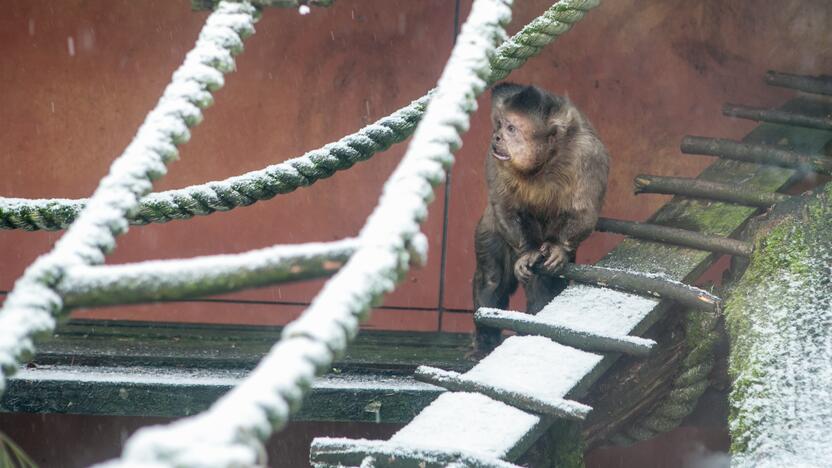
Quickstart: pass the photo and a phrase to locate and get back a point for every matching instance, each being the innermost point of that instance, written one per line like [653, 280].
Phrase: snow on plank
[599, 310]
[534, 365]
[565, 333]
[469, 420]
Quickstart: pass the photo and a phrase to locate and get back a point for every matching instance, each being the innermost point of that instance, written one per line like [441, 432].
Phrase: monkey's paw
[554, 256]
[523, 265]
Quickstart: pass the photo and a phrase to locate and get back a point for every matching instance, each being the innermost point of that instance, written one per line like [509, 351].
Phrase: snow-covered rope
[231, 432]
[30, 307]
[165, 280]
[264, 184]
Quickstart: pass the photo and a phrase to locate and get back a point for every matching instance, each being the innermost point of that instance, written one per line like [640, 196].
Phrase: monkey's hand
[554, 256]
[523, 265]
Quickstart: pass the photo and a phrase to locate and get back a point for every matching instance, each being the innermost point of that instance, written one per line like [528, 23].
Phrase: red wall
[645, 72]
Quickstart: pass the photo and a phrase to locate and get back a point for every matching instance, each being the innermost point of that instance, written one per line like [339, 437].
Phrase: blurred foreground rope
[232, 431]
[30, 308]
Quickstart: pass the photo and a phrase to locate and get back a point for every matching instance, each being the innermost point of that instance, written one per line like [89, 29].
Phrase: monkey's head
[530, 125]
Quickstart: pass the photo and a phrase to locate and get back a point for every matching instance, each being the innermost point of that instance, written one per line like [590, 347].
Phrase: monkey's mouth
[499, 155]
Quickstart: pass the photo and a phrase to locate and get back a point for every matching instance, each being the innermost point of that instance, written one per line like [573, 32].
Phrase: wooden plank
[176, 392]
[123, 343]
[158, 369]
[610, 311]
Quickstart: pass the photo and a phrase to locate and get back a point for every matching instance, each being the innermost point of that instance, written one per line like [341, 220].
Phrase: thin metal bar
[445, 204]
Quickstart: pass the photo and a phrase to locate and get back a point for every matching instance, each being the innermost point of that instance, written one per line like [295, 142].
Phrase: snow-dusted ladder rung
[326, 451]
[455, 381]
[577, 338]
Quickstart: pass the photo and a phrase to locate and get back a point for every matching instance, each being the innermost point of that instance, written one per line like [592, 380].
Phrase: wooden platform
[153, 369]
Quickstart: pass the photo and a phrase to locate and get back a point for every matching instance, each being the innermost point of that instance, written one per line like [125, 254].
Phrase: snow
[469, 420]
[153, 280]
[328, 451]
[190, 377]
[534, 365]
[782, 400]
[599, 310]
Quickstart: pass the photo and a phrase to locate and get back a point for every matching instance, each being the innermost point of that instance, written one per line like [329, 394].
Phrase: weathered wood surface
[668, 235]
[183, 391]
[143, 369]
[776, 116]
[604, 310]
[810, 84]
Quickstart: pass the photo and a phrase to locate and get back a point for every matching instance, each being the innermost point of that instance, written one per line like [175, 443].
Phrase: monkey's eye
[511, 128]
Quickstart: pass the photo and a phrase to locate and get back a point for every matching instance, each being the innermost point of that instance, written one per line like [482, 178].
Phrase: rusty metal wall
[77, 77]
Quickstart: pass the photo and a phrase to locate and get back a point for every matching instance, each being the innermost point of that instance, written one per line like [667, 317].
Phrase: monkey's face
[521, 142]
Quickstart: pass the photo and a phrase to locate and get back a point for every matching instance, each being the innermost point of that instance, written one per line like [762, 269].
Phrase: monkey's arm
[511, 226]
[560, 246]
[579, 221]
[513, 229]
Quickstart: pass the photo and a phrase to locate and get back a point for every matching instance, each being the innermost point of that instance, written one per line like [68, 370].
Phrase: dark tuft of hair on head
[531, 100]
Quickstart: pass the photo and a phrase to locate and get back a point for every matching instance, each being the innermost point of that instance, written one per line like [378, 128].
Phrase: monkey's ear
[564, 119]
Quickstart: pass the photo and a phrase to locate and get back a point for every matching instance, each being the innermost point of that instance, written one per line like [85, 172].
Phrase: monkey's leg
[542, 288]
[494, 279]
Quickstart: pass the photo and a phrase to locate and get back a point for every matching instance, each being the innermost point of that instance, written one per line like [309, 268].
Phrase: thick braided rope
[264, 184]
[687, 387]
[30, 307]
[231, 432]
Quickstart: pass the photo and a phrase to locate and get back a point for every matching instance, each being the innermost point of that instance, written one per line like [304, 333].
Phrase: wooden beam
[581, 339]
[810, 84]
[675, 236]
[457, 382]
[698, 188]
[757, 154]
[776, 116]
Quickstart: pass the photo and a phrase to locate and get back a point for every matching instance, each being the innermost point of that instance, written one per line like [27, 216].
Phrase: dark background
[646, 72]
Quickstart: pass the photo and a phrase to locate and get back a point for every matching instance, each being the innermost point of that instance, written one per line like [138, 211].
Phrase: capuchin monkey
[546, 173]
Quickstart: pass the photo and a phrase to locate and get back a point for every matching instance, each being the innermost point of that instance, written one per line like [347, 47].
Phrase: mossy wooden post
[779, 318]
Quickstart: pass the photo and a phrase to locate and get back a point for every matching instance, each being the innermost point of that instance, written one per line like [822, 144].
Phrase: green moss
[714, 218]
[790, 247]
[569, 451]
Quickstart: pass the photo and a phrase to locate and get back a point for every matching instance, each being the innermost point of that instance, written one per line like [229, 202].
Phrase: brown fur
[547, 174]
